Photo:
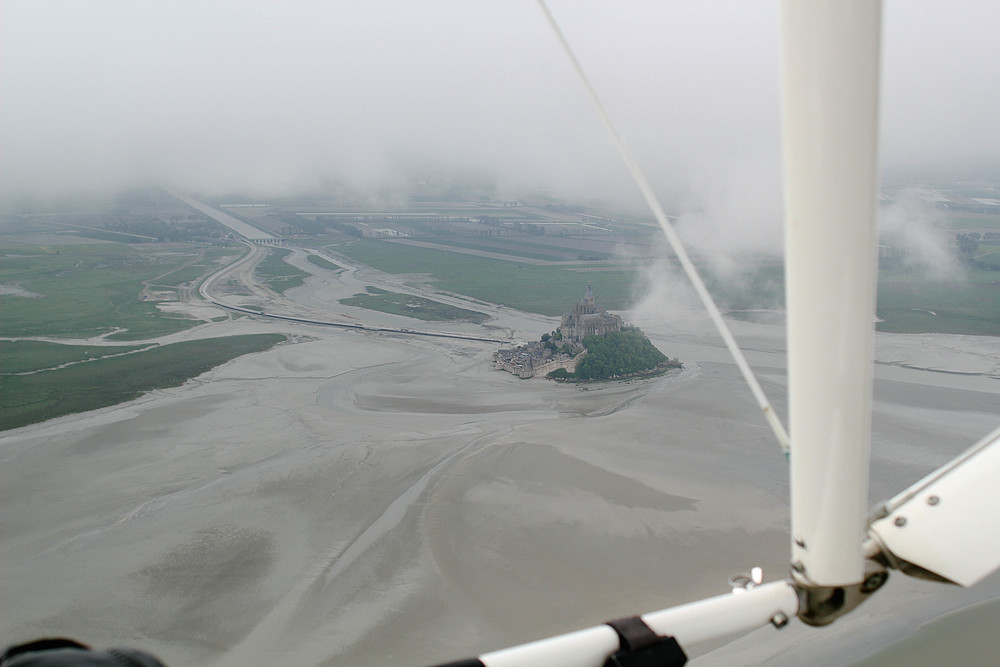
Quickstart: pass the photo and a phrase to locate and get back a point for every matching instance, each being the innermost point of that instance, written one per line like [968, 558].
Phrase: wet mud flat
[356, 499]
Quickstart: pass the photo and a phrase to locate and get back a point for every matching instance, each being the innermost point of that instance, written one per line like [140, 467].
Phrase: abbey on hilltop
[591, 345]
[563, 347]
[588, 319]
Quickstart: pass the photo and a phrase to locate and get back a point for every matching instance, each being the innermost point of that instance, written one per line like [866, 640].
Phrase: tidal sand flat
[389, 500]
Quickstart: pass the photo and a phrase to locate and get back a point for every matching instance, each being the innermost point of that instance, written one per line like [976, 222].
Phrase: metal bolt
[800, 542]
[933, 500]
[900, 521]
[779, 620]
[799, 567]
[874, 582]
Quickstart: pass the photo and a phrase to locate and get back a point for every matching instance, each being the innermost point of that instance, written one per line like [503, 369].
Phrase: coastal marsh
[81, 387]
[397, 303]
[278, 274]
[85, 290]
[538, 289]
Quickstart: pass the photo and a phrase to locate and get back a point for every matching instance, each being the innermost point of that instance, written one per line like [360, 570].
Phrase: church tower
[588, 319]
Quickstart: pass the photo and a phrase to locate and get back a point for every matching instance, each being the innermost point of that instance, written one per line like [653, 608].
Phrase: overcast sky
[282, 96]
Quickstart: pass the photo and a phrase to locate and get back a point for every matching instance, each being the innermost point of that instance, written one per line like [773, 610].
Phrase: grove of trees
[620, 353]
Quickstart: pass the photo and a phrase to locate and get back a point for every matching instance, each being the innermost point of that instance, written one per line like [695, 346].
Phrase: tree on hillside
[619, 353]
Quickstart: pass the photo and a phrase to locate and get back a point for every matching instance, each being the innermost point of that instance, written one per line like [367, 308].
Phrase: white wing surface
[946, 524]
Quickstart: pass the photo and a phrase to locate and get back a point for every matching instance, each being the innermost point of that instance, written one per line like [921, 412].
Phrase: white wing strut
[689, 624]
[830, 66]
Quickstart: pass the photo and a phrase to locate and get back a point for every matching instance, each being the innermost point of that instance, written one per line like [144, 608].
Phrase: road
[277, 306]
[244, 229]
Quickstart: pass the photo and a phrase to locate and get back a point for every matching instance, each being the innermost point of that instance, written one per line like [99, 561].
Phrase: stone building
[588, 319]
[538, 358]
[527, 361]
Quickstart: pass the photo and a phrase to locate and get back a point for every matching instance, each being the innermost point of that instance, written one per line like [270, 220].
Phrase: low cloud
[909, 221]
[285, 97]
[665, 301]
[733, 210]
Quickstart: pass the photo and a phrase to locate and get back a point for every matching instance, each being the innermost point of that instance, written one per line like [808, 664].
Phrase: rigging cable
[675, 243]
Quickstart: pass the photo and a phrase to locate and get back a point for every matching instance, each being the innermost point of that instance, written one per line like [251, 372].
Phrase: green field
[968, 303]
[970, 223]
[278, 274]
[324, 263]
[519, 248]
[29, 399]
[85, 290]
[959, 306]
[411, 306]
[907, 303]
[552, 289]
[210, 261]
[25, 356]
[988, 253]
[548, 290]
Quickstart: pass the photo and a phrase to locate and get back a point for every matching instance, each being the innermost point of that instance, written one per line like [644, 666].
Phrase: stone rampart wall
[546, 368]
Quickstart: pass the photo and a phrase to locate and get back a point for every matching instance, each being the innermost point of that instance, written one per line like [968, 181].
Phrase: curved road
[255, 254]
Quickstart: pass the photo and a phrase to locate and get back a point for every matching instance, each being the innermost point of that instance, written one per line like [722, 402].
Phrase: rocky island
[590, 345]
